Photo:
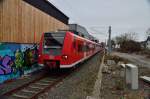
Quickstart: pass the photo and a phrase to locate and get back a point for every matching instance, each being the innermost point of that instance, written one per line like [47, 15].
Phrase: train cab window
[53, 43]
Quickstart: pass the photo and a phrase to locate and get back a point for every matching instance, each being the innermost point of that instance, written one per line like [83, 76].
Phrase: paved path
[137, 59]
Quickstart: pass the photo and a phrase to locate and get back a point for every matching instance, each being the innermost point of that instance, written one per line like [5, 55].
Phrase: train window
[87, 48]
[53, 40]
[53, 43]
[74, 44]
[79, 48]
[91, 46]
[84, 48]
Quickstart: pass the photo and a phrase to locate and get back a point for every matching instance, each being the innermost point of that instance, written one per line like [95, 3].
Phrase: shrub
[130, 46]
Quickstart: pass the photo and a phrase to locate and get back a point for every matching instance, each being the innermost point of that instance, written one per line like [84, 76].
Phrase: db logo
[51, 57]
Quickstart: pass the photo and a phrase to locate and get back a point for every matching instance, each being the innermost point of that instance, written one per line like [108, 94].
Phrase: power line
[95, 29]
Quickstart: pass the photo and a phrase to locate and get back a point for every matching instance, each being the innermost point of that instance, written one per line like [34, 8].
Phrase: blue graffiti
[6, 64]
[16, 59]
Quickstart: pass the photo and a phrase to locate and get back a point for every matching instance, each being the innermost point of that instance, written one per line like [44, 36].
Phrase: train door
[84, 50]
[80, 49]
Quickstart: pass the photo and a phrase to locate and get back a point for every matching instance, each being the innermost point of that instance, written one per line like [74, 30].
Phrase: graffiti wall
[17, 60]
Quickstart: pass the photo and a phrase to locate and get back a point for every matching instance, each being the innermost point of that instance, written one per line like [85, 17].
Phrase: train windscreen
[53, 43]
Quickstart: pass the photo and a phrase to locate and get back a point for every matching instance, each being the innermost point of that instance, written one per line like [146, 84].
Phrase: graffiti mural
[16, 59]
[5, 65]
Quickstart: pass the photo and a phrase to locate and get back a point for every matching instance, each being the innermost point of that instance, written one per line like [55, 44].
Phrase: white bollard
[122, 72]
[132, 75]
[128, 75]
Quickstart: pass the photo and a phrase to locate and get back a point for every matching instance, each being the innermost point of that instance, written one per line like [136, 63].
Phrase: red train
[65, 49]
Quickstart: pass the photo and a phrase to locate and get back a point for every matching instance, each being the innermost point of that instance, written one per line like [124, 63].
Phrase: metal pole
[109, 41]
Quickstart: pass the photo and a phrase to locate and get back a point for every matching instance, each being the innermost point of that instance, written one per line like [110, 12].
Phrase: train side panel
[73, 50]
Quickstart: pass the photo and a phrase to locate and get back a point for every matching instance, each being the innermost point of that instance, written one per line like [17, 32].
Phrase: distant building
[146, 43]
[81, 31]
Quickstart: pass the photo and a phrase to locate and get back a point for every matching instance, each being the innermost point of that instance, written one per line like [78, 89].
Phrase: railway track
[35, 88]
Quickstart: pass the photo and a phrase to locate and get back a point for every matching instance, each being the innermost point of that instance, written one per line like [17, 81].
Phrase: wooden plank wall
[19, 21]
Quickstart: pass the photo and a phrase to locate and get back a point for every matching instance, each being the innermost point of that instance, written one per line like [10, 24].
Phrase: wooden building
[23, 21]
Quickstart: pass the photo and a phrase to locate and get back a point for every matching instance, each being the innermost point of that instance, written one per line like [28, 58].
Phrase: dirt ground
[136, 59]
[114, 87]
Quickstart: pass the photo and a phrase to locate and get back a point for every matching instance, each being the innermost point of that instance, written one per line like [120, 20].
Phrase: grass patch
[116, 58]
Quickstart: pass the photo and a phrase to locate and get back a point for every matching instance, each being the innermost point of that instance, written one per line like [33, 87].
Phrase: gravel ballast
[79, 84]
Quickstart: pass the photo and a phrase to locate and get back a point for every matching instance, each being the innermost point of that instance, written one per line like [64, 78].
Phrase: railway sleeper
[52, 78]
[37, 87]
[21, 96]
[42, 84]
[48, 81]
[29, 91]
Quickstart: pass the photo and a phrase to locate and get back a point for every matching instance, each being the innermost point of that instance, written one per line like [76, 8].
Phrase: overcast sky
[97, 15]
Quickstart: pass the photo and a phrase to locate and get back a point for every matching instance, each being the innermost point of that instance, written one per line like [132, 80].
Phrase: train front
[50, 49]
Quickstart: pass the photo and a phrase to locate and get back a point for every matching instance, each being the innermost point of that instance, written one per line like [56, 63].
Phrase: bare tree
[131, 36]
[127, 42]
[126, 37]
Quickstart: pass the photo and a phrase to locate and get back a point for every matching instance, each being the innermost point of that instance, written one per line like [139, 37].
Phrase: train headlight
[64, 57]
